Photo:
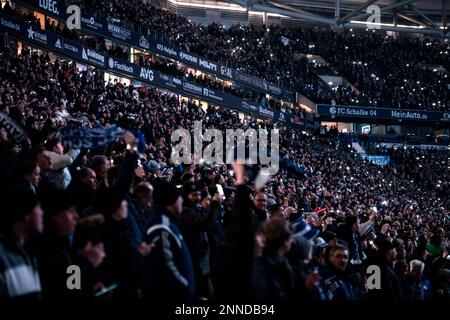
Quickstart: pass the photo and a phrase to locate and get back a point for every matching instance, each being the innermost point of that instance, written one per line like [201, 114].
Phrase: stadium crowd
[157, 63]
[385, 72]
[141, 227]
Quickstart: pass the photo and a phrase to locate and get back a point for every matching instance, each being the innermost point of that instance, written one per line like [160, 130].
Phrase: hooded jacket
[169, 273]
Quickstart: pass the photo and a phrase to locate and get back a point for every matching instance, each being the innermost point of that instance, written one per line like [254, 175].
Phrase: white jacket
[59, 172]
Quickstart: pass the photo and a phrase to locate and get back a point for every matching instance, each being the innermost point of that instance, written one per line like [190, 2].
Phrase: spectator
[390, 284]
[59, 172]
[169, 272]
[19, 276]
[56, 251]
[273, 278]
[83, 188]
[335, 281]
[416, 290]
[194, 224]
[29, 176]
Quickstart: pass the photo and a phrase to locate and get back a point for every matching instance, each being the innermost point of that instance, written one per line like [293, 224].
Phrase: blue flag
[77, 137]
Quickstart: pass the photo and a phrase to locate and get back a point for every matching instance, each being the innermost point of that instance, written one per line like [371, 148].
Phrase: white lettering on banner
[245, 105]
[446, 116]
[119, 66]
[167, 80]
[90, 22]
[253, 107]
[188, 57]
[165, 49]
[266, 112]
[408, 115]
[177, 81]
[93, 54]
[143, 42]
[71, 48]
[225, 71]
[49, 5]
[10, 24]
[352, 112]
[147, 74]
[274, 88]
[118, 31]
[259, 83]
[192, 87]
[211, 94]
[36, 35]
[207, 65]
[245, 78]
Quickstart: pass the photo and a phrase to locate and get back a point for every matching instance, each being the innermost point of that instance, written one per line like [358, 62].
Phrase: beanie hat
[20, 203]
[165, 193]
[385, 246]
[55, 201]
[190, 187]
[320, 243]
[328, 235]
[204, 194]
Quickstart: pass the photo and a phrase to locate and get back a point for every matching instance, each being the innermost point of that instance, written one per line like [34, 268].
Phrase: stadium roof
[418, 16]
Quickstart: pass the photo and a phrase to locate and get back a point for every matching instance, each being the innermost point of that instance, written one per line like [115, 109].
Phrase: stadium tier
[198, 164]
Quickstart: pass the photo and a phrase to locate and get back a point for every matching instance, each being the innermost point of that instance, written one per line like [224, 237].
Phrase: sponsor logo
[408, 115]
[97, 57]
[166, 50]
[188, 57]
[253, 107]
[274, 88]
[119, 32]
[36, 36]
[446, 116]
[49, 5]
[359, 112]
[70, 47]
[10, 24]
[244, 78]
[282, 117]
[58, 44]
[211, 94]
[146, 74]
[177, 81]
[192, 87]
[245, 105]
[225, 71]
[266, 112]
[207, 65]
[167, 80]
[259, 83]
[90, 22]
[143, 42]
[164, 77]
[113, 64]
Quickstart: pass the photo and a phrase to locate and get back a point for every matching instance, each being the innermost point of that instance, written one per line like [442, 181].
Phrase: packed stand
[118, 214]
[386, 72]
